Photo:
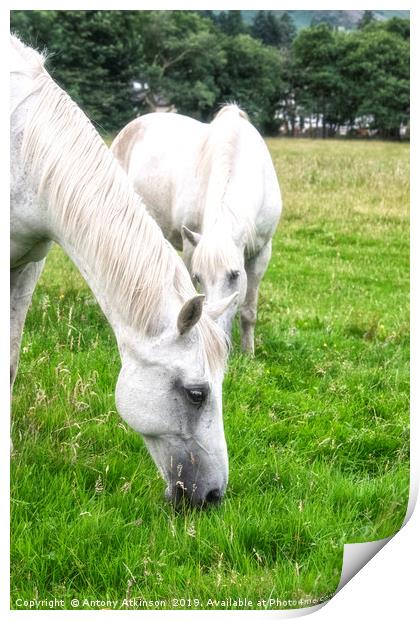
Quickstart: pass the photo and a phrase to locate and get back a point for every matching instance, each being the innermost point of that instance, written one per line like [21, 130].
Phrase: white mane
[218, 158]
[215, 250]
[89, 194]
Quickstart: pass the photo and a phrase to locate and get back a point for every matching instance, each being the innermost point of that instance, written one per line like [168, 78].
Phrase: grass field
[317, 423]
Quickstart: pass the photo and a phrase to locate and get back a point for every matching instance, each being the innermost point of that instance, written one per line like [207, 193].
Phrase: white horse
[213, 190]
[67, 187]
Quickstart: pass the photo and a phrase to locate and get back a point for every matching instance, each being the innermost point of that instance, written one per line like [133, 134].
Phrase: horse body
[213, 190]
[66, 187]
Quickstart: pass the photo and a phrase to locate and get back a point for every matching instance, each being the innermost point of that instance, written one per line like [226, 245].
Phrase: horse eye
[195, 395]
[196, 278]
[233, 275]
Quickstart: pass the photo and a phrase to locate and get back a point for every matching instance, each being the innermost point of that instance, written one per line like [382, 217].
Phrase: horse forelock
[215, 251]
[89, 196]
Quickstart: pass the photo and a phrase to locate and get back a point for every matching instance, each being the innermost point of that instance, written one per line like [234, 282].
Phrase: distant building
[405, 131]
[143, 96]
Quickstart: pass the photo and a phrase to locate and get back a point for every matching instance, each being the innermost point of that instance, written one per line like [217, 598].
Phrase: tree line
[118, 64]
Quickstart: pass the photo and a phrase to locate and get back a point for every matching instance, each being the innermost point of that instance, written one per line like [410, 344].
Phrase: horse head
[217, 268]
[170, 390]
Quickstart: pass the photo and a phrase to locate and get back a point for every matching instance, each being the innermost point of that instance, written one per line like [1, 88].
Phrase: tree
[266, 28]
[377, 68]
[367, 18]
[199, 60]
[253, 78]
[231, 22]
[36, 28]
[177, 61]
[96, 55]
[287, 30]
[208, 14]
[317, 79]
[398, 26]
[330, 18]
[271, 30]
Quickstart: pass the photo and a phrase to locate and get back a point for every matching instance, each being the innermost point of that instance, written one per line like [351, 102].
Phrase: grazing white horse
[67, 187]
[213, 190]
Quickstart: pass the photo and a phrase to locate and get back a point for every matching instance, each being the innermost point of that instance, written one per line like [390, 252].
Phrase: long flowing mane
[89, 194]
[217, 162]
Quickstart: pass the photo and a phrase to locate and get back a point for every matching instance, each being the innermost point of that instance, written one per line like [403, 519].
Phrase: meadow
[317, 424]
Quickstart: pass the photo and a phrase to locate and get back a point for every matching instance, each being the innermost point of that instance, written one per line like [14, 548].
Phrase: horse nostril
[214, 496]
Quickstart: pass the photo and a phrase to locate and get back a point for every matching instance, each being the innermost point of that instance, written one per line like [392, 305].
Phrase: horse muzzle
[180, 494]
[187, 487]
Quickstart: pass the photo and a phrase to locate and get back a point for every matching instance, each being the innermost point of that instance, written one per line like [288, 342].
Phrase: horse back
[158, 152]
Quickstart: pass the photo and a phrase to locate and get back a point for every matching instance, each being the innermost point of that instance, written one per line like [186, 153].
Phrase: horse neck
[222, 188]
[84, 263]
[118, 306]
[95, 215]
[225, 223]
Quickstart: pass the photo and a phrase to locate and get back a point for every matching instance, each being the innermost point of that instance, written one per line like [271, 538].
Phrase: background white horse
[67, 187]
[213, 190]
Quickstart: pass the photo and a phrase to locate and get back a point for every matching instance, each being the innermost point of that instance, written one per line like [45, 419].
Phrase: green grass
[317, 423]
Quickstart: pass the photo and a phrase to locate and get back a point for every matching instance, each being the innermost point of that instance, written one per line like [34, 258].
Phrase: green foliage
[376, 66]
[273, 30]
[197, 60]
[177, 60]
[252, 78]
[342, 76]
[398, 26]
[315, 63]
[94, 55]
[287, 30]
[316, 423]
[231, 23]
[367, 18]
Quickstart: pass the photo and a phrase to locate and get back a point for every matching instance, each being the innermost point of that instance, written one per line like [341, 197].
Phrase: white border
[387, 586]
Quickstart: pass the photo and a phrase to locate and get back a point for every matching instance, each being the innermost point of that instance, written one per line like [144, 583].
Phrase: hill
[344, 19]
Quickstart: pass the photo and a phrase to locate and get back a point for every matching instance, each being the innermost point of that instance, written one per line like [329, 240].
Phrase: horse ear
[190, 313]
[217, 308]
[192, 237]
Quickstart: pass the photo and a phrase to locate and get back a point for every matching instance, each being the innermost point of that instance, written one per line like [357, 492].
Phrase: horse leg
[255, 269]
[22, 284]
